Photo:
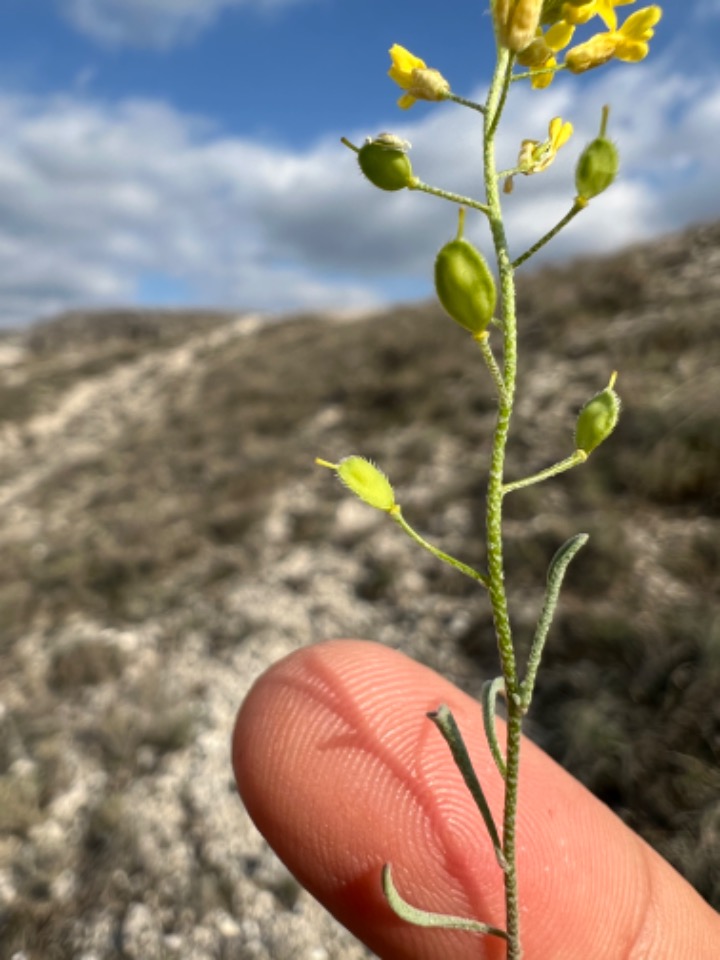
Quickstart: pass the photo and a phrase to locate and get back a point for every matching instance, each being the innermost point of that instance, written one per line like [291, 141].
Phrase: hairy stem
[417, 184]
[539, 244]
[579, 456]
[464, 568]
[466, 103]
[496, 571]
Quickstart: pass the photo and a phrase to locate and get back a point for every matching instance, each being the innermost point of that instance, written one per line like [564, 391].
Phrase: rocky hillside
[165, 537]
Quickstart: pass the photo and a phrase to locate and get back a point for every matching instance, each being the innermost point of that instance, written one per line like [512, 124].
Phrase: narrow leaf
[423, 918]
[556, 573]
[489, 694]
[445, 722]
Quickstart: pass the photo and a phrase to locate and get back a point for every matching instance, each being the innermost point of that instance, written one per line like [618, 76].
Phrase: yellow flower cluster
[628, 43]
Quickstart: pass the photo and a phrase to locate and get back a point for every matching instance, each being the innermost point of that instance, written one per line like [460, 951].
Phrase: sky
[187, 152]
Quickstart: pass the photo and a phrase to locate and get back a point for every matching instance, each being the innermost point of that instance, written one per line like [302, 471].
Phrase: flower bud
[580, 11]
[595, 52]
[385, 162]
[516, 22]
[597, 419]
[464, 283]
[365, 480]
[414, 76]
[597, 166]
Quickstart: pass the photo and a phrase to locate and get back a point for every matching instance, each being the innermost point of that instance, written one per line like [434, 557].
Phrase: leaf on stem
[445, 722]
[491, 689]
[423, 918]
[556, 573]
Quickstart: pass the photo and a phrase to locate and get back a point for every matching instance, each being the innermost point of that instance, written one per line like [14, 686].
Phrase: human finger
[342, 772]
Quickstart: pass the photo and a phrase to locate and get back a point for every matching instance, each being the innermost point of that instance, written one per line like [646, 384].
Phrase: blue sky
[186, 152]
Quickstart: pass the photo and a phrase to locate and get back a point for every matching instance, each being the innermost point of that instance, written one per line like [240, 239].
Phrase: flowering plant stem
[468, 292]
[494, 504]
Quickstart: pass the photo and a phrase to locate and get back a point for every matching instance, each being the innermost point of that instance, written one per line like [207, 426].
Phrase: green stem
[466, 103]
[397, 516]
[490, 362]
[529, 74]
[510, 172]
[499, 90]
[496, 573]
[567, 464]
[572, 212]
[495, 484]
[512, 770]
[447, 195]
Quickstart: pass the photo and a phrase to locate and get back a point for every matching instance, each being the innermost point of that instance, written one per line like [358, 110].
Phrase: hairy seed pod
[464, 284]
[597, 419]
[385, 162]
[597, 166]
[367, 482]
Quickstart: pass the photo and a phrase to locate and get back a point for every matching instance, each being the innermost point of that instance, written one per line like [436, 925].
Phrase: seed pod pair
[464, 283]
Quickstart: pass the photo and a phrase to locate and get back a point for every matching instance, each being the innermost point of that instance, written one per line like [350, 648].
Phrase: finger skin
[341, 771]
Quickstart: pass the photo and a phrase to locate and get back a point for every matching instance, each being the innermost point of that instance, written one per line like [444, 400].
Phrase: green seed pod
[598, 165]
[597, 419]
[365, 480]
[464, 284]
[597, 168]
[385, 162]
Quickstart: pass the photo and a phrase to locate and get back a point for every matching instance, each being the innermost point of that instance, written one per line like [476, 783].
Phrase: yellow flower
[539, 56]
[412, 74]
[537, 155]
[635, 34]
[403, 65]
[577, 13]
[562, 18]
[593, 53]
[559, 35]
[543, 78]
[629, 43]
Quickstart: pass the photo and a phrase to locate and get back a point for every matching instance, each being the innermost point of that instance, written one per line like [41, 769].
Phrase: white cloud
[95, 199]
[98, 202]
[151, 23]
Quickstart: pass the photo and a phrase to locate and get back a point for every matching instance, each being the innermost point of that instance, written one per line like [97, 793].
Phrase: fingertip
[342, 771]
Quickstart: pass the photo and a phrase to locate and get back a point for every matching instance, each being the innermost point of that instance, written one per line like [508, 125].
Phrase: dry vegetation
[164, 536]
